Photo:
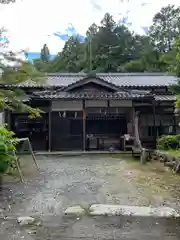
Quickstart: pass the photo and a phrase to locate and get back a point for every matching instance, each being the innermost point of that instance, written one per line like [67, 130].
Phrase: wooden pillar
[84, 126]
[174, 121]
[133, 119]
[154, 123]
[49, 127]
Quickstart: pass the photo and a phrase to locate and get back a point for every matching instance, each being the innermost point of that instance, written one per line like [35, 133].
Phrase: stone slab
[75, 210]
[25, 220]
[118, 210]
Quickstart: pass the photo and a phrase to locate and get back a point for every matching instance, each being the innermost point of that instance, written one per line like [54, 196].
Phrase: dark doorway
[35, 129]
[66, 131]
[105, 133]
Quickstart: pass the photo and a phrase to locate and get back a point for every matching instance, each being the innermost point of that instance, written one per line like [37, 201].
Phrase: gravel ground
[82, 180]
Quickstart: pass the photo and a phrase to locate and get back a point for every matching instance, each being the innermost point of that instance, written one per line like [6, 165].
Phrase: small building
[84, 112]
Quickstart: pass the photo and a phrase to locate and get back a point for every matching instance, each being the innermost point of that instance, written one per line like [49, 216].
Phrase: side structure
[93, 113]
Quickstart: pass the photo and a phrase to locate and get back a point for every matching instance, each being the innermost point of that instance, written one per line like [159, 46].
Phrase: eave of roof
[131, 94]
[90, 95]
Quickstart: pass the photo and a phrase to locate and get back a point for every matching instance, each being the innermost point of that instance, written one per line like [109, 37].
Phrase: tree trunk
[136, 130]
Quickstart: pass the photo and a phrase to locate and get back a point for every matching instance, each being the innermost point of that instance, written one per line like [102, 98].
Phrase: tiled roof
[64, 79]
[118, 79]
[29, 84]
[88, 95]
[165, 98]
[138, 80]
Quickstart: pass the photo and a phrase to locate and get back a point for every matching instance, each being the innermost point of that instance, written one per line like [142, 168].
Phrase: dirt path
[63, 182]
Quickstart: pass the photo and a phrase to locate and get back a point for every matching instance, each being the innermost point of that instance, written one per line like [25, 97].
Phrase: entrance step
[74, 153]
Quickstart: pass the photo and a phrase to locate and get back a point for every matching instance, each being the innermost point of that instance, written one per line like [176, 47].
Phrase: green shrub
[169, 142]
[7, 145]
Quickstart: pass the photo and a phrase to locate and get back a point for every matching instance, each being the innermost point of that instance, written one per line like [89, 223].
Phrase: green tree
[165, 28]
[39, 65]
[176, 69]
[45, 54]
[15, 71]
[106, 39]
[71, 59]
[112, 47]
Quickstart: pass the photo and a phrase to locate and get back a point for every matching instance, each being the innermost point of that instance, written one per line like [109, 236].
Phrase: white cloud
[31, 23]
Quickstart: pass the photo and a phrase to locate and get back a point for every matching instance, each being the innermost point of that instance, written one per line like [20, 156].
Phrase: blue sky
[31, 23]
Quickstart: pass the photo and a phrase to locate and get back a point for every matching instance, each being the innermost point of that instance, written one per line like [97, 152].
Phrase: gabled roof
[139, 79]
[136, 80]
[95, 80]
[118, 79]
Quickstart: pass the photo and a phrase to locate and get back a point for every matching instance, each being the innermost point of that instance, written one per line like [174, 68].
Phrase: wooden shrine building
[93, 113]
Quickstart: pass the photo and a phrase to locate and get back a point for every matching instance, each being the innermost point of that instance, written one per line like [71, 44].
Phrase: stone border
[168, 160]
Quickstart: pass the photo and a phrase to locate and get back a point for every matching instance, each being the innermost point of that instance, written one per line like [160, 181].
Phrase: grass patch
[159, 180]
[174, 153]
[152, 178]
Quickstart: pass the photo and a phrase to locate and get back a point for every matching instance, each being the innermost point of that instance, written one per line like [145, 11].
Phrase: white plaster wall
[120, 103]
[95, 103]
[74, 105]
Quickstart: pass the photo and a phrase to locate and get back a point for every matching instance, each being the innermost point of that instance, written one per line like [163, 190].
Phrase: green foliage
[133, 66]
[177, 101]
[165, 28]
[169, 142]
[175, 68]
[15, 71]
[112, 47]
[7, 144]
